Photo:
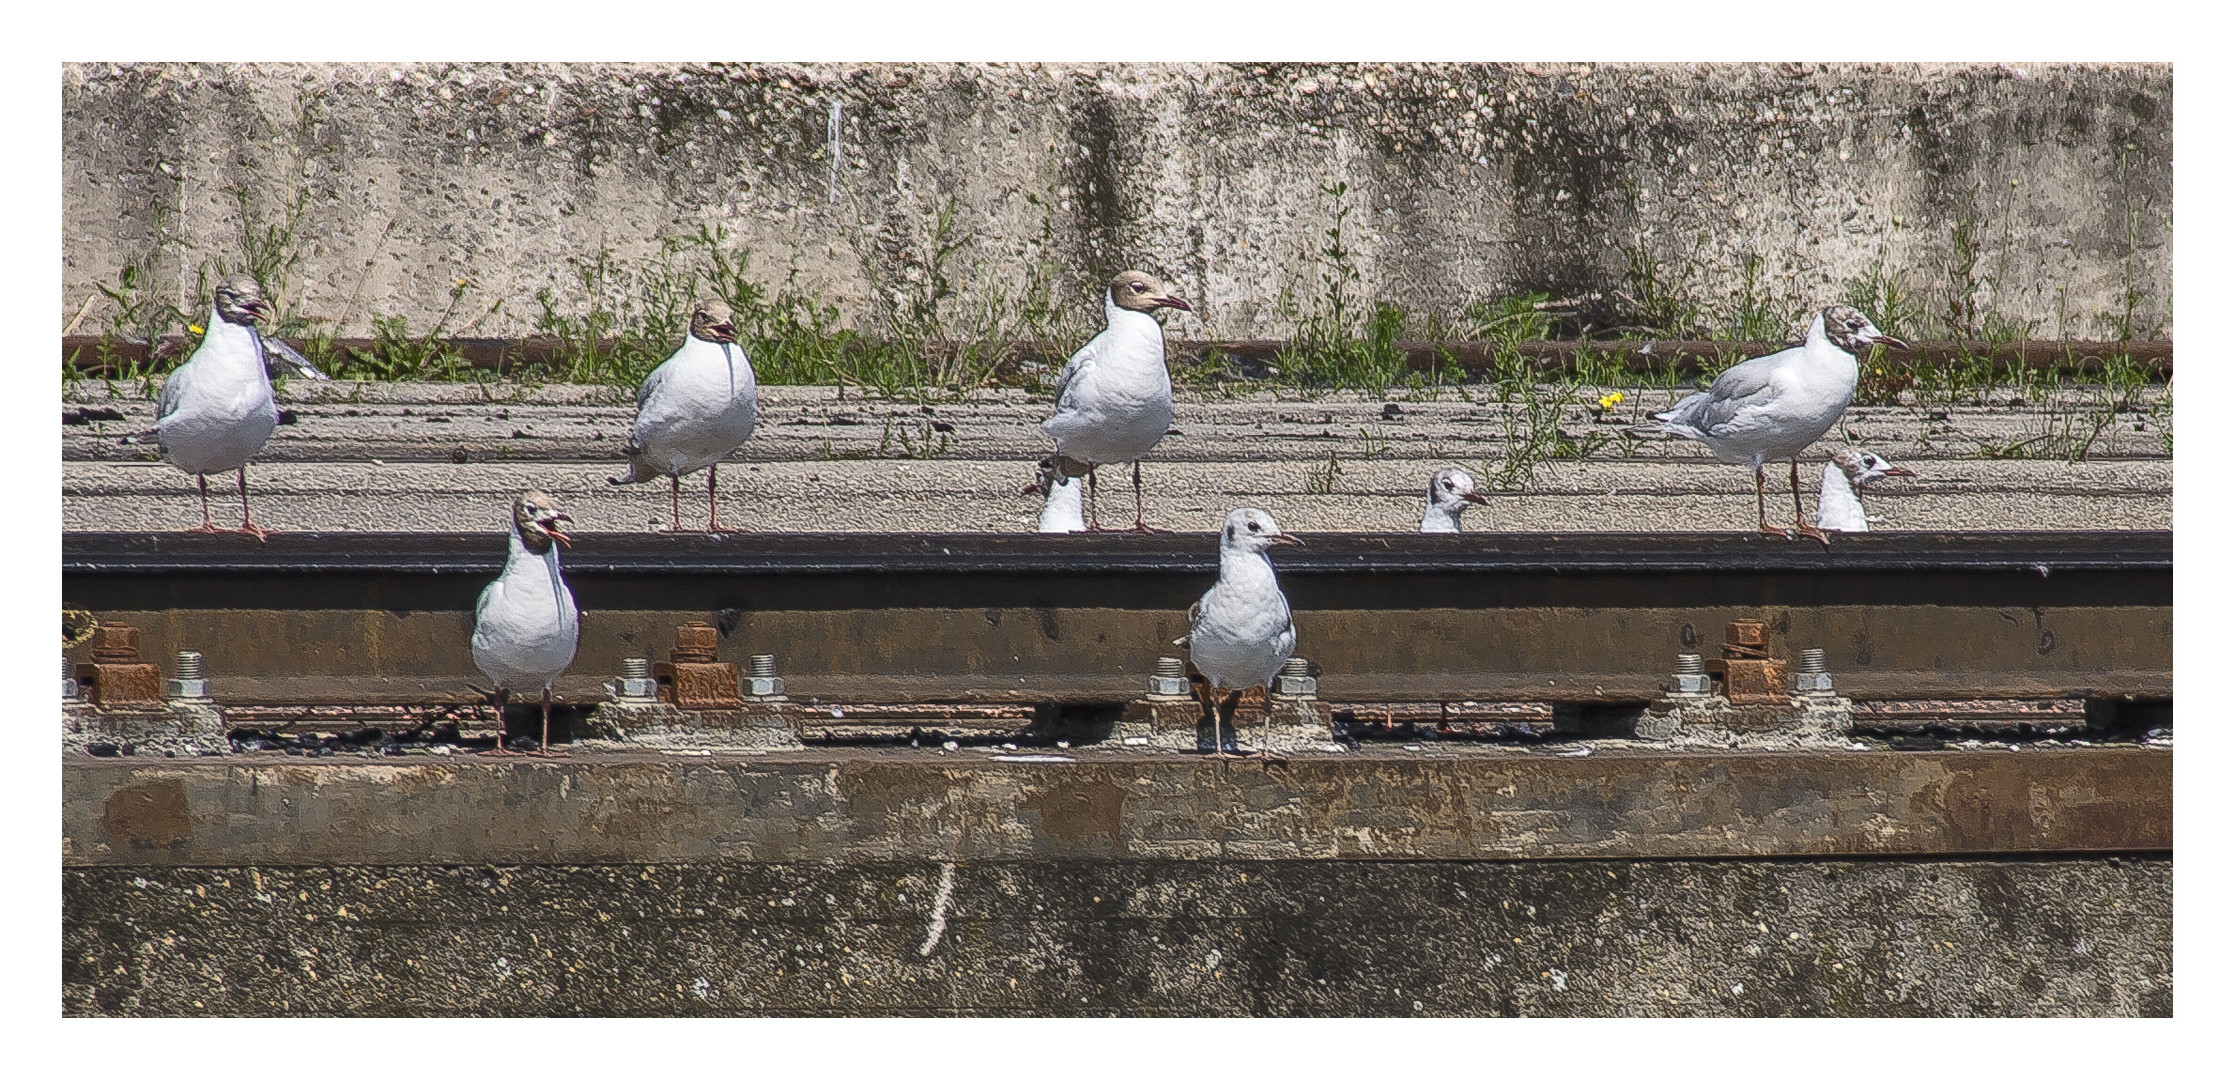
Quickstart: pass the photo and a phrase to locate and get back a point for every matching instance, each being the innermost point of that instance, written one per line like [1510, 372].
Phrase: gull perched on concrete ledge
[1775, 406]
[1240, 633]
[1113, 401]
[693, 410]
[524, 628]
[216, 410]
[1838, 509]
[1450, 492]
[1062, 511]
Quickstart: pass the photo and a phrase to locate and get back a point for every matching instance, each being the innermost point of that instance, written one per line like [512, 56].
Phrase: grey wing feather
[1714, 407]
[1194, 617]
[280, 358]
[1073, 368]
[174, 388]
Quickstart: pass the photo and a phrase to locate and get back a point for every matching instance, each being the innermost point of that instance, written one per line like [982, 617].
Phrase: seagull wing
[174, 391]
[1078, 365]
[280, 358]
[1194, 619]
[1733, 391]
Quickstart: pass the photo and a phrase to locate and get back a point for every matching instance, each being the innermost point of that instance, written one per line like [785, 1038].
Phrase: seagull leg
[1800, 523]
[675, 503]
[206, 526]
[500, 751]
[1265, 748]
[1140, 510]
[543, 749]
[1210, 702]
[713, 522]
[1093, 490]
[1761, 505]
[248, 524]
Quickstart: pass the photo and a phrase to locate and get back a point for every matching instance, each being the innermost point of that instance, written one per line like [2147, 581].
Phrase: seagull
[693, 410]
[1450, 492]
[525, 627]
[216, 410]
[1837, 507]
[1239, 634]
[1113, 401]
[1061, 512]
[1774, 406]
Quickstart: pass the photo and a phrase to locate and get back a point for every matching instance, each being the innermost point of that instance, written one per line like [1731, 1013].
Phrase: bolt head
[637, 690]
[69, 689]
[757, 687]
[187, 689]
[1165, 686]
[1816, 682]
[1693, 684]
[1296, 686]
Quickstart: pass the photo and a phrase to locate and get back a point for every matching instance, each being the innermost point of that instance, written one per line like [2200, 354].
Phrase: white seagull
[216, 410]
[693, 410]
[1061, 513]
[1775, 406]
[1239, 634]
[1450, 492]
[1113, 401]
[1837, 507]
[525, 627]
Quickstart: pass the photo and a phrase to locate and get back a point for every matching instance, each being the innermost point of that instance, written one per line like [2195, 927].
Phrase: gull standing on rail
[1775, 406]
[1838, 509]
[1113, 401]
[1240, 633]
[216, 411]
[525, 627]
[693, 410]
[1450, 492]
[1061, 513]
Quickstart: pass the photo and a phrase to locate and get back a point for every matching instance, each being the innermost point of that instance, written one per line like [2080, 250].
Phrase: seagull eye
[1253, 526]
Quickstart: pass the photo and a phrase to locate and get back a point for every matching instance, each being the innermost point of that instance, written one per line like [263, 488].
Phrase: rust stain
[149, 815]
[1076, 811]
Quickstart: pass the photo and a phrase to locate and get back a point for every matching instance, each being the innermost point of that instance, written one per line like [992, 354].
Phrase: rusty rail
[998, 619]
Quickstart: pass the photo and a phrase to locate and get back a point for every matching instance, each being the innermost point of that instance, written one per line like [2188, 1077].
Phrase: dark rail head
[101, 554]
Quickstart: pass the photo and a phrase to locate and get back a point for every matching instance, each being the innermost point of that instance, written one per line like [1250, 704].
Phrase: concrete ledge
[1878, 937]
[1111, 805]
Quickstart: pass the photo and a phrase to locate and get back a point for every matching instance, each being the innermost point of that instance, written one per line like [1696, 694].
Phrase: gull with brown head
[216, 410]
[526, 625]
[1113, 400]
[693, 411]
[1775, 406]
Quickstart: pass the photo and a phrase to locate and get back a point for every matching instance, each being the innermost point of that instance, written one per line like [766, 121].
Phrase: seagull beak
[551, 526]
[727, 330]
[1899, 471]
[1889, 341]
[1284, 538]
[1032, 489]
[1474, 498]
[260, 309]
[1170, 301]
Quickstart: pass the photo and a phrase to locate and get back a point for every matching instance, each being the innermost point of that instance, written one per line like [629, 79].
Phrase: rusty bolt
[1295, 679]
[694, 644]
[116, 645]
[1170, 680]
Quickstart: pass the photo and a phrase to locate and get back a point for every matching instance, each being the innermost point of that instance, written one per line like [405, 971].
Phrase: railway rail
[1990, 624]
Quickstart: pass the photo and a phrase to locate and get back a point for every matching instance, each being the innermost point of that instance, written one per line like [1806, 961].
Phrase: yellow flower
[194, 329]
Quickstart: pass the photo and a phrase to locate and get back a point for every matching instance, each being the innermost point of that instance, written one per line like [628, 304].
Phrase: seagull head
[537, 518]
[1051, 475]
[1864, 468]
[1851, 330]
[1451, 489]
[712, 321]
[1251, 529]
[1136, 291]
[241, 300]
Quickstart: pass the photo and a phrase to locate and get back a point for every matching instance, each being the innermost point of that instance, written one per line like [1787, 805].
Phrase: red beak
[1899, 471]
[1174, 302]
[1890, 342]
[1284, 538]
[550, 526]
[1474, 498]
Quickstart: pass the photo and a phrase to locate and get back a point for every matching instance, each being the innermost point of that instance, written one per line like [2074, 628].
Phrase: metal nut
[1295, 681]
[763, 687]
[189, 685]
[1170, 680]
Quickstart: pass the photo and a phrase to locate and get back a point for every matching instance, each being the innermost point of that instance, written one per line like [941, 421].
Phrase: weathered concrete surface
[1466, 181]
[2079, 937]
[815, 806]
[387, 457]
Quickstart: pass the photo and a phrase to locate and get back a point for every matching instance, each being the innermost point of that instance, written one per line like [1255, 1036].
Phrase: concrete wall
[1900, 937]
[1465, 181]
